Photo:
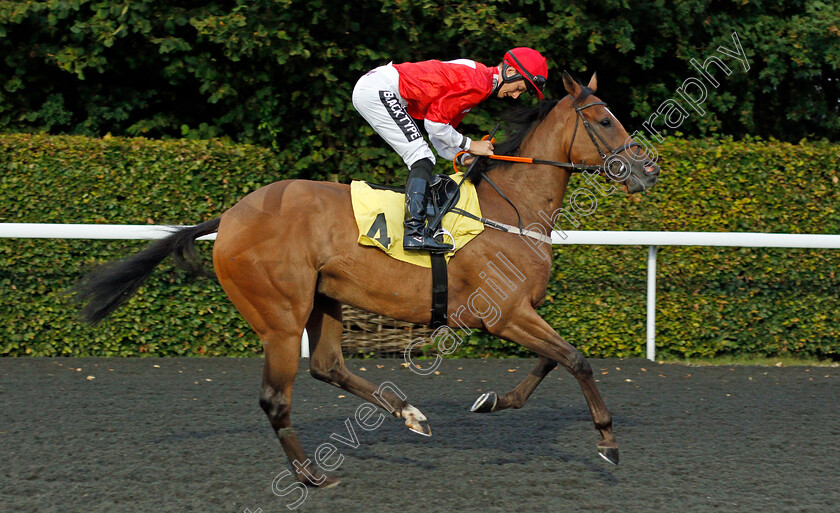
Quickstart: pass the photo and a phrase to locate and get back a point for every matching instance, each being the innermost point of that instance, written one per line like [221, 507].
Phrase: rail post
[651, 304]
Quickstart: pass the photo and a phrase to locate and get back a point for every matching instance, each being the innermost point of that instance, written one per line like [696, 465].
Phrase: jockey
[440, 94]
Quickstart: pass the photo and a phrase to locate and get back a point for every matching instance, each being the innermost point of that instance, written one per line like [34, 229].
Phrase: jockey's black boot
[416, 198]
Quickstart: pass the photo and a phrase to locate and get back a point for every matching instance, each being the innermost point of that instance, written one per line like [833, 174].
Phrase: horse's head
[598, 137]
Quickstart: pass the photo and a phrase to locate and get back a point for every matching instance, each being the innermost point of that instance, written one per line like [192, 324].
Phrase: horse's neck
[537, 191]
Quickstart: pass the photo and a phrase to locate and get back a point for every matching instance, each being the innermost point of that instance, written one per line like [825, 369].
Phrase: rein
[574, 168]
[570, 166]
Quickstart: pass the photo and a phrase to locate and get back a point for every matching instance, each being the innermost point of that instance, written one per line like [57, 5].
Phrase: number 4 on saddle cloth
[380, 212]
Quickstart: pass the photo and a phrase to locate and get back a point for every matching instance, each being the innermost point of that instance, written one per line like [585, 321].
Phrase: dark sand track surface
[177, 435]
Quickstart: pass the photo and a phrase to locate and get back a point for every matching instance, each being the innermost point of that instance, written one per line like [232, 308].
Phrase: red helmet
[530, 65]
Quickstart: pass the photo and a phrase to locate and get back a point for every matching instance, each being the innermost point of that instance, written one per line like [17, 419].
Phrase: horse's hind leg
[278, 315]
[531, 331]
[489, 401]
[281, 365]
[327, 364]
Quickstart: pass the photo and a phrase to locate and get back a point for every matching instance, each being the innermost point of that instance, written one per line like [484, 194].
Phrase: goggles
[535, 83]
[538, 81]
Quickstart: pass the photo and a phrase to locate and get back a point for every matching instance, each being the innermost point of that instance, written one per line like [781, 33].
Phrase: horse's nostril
[651, 168]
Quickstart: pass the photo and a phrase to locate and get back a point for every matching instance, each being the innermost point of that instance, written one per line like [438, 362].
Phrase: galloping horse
[288, 258]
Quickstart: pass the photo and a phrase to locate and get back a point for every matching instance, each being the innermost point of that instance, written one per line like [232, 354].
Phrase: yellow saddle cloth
[380, 214]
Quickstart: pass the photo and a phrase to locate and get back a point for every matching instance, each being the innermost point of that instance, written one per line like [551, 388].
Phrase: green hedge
[119, 181]
[711, 301]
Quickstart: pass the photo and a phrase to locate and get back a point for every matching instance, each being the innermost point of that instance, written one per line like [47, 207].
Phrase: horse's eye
[605, 122]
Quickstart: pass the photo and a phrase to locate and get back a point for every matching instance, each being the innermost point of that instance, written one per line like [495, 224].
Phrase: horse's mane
[519, 122]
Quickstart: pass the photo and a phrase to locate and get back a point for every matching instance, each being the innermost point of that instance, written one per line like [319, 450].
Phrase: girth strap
[440, 290]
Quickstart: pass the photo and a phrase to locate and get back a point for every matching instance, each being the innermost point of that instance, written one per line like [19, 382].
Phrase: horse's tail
[107, 287]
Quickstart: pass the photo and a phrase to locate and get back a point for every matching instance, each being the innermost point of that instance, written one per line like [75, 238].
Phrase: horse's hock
[377, 335]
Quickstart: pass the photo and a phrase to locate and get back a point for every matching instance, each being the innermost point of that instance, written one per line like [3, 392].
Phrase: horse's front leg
[490, 401]
[530, 330]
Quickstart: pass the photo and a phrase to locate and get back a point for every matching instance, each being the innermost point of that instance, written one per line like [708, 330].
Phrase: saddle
[379, 216]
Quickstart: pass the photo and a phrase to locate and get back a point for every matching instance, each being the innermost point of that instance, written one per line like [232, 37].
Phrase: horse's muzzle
[642, 177]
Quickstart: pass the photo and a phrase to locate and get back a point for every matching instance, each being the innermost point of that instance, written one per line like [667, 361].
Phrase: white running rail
[650, 239]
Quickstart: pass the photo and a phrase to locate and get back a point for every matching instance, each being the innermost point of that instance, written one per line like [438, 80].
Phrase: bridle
[606, 153]
[595, 137]
[570, 166]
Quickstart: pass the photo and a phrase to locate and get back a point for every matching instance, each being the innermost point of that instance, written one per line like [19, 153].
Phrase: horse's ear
[572, 87]
[593, 82]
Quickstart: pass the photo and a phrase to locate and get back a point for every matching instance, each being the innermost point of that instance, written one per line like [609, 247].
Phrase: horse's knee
[578, 365]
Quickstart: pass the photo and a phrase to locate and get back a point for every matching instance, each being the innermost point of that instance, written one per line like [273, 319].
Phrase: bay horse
[287, 257]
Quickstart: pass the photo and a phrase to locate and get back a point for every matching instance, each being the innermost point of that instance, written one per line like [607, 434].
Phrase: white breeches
[377, 98]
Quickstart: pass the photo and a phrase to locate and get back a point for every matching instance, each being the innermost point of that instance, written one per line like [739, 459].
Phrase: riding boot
[416, 199]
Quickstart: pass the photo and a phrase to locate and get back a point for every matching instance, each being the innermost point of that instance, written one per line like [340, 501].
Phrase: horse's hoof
[420, 427]
[319, 481]
[609, 453]
[415, 420]
[485, 403]
[329, 482]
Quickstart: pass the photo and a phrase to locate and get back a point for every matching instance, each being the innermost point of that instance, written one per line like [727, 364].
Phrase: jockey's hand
[483, 148]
